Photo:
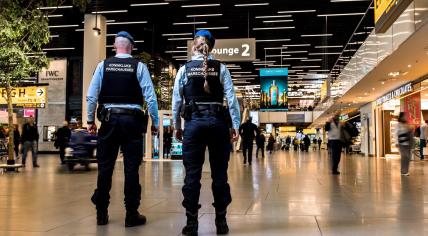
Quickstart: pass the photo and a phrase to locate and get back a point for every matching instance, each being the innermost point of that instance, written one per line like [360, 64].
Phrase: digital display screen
[176, 147]
[274, 89]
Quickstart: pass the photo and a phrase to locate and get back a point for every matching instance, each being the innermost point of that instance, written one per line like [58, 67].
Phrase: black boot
[221, 223]
[134, 218]
[191, 228]
[102, 217]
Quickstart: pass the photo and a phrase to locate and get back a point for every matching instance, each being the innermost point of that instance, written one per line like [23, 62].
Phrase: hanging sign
[28, 97]
[231, 50]
[387, 11]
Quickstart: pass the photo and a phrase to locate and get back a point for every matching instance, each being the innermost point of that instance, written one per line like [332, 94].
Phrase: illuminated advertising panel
[274, 89]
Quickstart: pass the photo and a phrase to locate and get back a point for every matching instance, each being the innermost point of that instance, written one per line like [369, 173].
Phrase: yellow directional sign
[28, 97]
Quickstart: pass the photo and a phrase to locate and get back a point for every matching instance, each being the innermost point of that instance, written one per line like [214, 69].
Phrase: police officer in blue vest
[199, 90]
[120, 85]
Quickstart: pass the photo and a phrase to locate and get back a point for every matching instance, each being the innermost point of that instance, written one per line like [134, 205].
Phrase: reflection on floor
[286, 193]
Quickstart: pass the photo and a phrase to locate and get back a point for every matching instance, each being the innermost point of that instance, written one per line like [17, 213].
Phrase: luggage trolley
[81, 149]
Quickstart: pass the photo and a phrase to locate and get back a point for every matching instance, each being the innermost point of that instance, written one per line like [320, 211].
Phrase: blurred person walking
[334, 129]
[260, 141]
[16, 140]
[63, 136]
[199, 91]
[30, 138]
[423, 138]
[271, 143]
[404, 136]
[248, 132]
[120, 85]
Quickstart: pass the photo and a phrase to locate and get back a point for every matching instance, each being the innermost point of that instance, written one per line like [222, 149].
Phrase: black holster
[102, 113]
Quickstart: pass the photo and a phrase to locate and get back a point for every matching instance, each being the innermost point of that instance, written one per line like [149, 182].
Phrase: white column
[94, 51]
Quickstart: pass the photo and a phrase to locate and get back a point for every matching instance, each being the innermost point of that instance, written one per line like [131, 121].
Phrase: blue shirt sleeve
[146, 84]
[177, 98]
[229, 93]
[93, 92]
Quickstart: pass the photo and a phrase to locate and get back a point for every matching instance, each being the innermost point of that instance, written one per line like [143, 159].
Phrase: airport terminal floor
[286, 193]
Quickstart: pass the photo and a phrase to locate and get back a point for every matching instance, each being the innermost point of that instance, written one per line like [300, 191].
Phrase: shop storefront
[409, 98]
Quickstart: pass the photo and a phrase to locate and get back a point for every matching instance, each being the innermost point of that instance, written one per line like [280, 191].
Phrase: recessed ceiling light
[272, 40]
[149, 4]
[190, 23]
[204, 15]
[316, 35]
[177, 34]
[201, 5]
[213, 28]
[274, 28]
[127, 23]
[62, 26]
[343, 14]
[109, 12]
[296, 11]
[277, 21]
[276, 16]
[252, 4]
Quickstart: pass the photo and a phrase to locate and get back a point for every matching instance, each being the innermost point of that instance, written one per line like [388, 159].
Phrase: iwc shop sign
[395, 94]
[228, 50]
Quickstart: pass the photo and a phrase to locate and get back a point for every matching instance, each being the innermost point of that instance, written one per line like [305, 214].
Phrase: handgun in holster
[102, 113]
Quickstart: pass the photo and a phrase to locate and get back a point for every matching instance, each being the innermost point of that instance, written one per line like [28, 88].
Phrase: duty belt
[208, 107]
[123, 111]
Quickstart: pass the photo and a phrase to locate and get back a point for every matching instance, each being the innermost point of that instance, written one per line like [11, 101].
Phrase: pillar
[94, 51]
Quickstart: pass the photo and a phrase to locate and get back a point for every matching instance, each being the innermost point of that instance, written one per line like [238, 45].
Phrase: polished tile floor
[286, 193]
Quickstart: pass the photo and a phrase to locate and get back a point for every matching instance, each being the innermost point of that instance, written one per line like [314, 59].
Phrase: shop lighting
[274, 28]
[204, 15]
[316, 35]
[297, 11]
[52, 8]
[201, 5]
[252, 4]
[127, 23]
[343, 14]
[149, 4]
[213, 28]
[138, 41]
[56, 49]
[329, 46]
[276, 16]
[63, 26]
[272, 40]
[190, 23]
[54, 36]
[109, 12]
[182, 47]
[177, 34]
[179, 39]
[277, 21]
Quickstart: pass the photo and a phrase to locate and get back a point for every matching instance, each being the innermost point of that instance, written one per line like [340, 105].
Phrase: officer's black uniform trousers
[124, 131]
[206, 129]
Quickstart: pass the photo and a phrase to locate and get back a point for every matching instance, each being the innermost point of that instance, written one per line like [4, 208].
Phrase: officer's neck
[123, 51]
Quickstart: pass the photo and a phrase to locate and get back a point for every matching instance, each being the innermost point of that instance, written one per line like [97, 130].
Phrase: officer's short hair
[122, 42]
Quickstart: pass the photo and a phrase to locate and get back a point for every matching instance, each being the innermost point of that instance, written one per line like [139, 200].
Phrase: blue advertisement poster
[274, 89]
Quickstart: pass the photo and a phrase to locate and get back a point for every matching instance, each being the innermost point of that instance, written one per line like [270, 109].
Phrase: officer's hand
[179, 134]
[235, 135]
[92, 128]
[154, 130]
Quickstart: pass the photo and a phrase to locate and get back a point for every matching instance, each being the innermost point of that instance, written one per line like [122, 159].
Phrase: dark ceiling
[240, 20]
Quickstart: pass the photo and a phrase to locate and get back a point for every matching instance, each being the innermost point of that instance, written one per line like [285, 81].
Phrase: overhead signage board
[387, 11]
[274, 89]
[395, 94]
[28, 97]
[287, 129]
[231, 50]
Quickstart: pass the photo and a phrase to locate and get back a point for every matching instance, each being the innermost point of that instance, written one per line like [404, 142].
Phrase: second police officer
[199, 90]
[120, 85]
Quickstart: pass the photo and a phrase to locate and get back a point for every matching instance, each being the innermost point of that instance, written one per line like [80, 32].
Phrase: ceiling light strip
[296, 11]
[149, 4]
[190, 23]
[204, 15]
[201, 5]
[127, 23]
[274, 28]
[252, 4]
[109, 12]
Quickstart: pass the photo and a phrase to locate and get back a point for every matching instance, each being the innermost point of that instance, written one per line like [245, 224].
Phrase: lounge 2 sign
[228, 50]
